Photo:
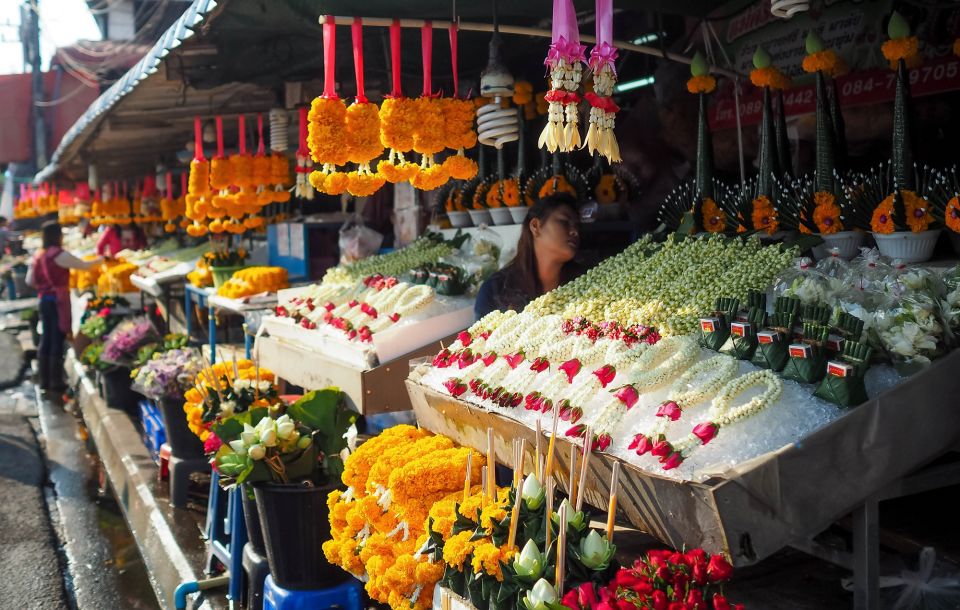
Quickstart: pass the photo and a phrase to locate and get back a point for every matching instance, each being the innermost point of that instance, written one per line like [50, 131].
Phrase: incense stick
[491, 467]
[572, 481]
[536, 456]
[584, 467]
[521, 450]
[553, 440]
[548, 532]
[561, 549]
[466, 478]
[515, 513]
[483, 483]
[612, 508]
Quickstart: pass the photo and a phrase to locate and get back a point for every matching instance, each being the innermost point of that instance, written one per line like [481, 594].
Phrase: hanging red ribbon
[242, 126]
[453, 59]
[329, 58]
[426, 41]
[169, 182]
[303, 151]
[395, 58]
[219, 121]
[260, 148]
[98, 194]
[357, 30]
[198, 140]
[183, 184]
[149, 186]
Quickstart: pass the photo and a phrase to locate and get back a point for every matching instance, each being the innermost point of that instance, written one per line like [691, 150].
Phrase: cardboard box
[758, 507]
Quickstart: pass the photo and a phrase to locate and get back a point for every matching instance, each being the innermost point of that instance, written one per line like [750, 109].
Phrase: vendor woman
[49, 273]
[116, 239]
[549, 240]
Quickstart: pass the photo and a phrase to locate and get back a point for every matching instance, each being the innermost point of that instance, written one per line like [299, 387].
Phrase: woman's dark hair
[51, 233]
[521, 273]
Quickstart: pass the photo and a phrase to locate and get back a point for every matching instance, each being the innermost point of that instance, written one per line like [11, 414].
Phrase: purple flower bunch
[121, 345]
[169, 373]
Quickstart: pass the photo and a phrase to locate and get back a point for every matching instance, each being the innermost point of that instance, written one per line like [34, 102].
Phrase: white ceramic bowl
[480, 217]
[847, 244]
[519, 214]
[459, 219]
[907, 246]
[501, 216]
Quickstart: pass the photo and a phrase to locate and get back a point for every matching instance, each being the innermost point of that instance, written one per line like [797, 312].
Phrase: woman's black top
[498, 293]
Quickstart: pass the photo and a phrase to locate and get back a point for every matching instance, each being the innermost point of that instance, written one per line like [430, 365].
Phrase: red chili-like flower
[353, 303]
[670, 409]
[720, 602]
[576, 414]
[719, 569]
[464, 338]
[540, 364]
[605, 374]
[601, 442]
[514, 360]
[628, 395]
[280, 311]
[565, 409]
[546, 405]
[441, 360]
[466, 358]
[489, 358]
[576, 431]
[672, 461]
[394, 317]
[706, 431]
[571, 368]
[661, 449]
[455, 386]
[329, 306]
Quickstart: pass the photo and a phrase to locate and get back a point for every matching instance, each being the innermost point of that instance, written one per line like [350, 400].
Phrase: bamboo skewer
[483, 483]
[536, 456]
[491, 467]
[468, 26]
[612, 507]
[553, 440]
[515, 513]
[572, 484]
[561, 549]
[466, 478]
[584, 467]
[521, 450]
[548, 531]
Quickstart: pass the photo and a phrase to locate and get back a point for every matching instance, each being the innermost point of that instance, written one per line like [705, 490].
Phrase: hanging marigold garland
[458, 115]
[304, 168]
[327, 123]
[198, 188]
[398, 121]
[429, 137]
[565, 62]
[363, 128]
[603, 111]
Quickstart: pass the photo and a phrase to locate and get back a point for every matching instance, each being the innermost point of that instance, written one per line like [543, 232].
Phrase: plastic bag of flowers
[299, 445]
[168, 374]
[122, 344]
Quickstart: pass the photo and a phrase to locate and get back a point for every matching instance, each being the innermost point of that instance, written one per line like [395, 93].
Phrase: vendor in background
[115, 239]
[549, 240]
[49, 273]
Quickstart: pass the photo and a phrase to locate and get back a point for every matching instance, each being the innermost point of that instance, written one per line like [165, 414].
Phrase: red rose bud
[659, 600]
[394, 317]
[706, 431]
[695, 600]
[496, 394]
[540, 364]
[282, 311]
[329, 306]
[720, 602]
[546, 405]
[719, 569]
[576, 431]
[661, 449]
[670, 409]
[464, 338]
[327, 317]
[570, 600]
[440, 360]
[516, 399]
[700, 573]
[571, 368]
[605, 374]
[351, 334]
[514, 360]
[674, 460]
[628, 395]
[352, 303]
[576, 414]
[641, 444]
[697, 556]
[467, 357]
[663, 573]
[372, 312]
[489, 358]
[565, 409]
[455, 386]
[530, 398]
[601, 442]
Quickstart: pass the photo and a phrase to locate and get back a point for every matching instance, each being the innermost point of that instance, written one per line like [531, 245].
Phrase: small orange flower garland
[198, 185]
[764, 216]
[327, 124]
[209, 383]
[901, 46]
[458, 115]
[826, 213]
[701, 83]
[951, 214]
[556, 184]
[503, 193]
[917, 209]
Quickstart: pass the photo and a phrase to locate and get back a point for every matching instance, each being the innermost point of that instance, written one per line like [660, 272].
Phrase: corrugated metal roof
[149, 65]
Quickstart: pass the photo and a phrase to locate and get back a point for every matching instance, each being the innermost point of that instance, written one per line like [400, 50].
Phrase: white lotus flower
[533, 493]
[257, 452]
[249, 435]
[238, 447]
[540, 595]
[285, 427]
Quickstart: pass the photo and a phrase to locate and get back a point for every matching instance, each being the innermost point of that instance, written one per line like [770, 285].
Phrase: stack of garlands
[115, 279]
[198, 185]
[224, 389]
[398, 120]
[254, 280]
[171, 209]
[362, 133]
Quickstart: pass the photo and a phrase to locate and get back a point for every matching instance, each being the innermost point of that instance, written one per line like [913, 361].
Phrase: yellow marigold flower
[429, 136]
[882, 220]
[328, 120]
[430, 178]
[456, 549]
[362, 133]
[394, 173]
[398, 120]
[461, 167]
[825, 61]
[336, 183]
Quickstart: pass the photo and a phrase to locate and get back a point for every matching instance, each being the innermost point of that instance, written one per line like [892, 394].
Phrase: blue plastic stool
[226, 534]
[347, 596]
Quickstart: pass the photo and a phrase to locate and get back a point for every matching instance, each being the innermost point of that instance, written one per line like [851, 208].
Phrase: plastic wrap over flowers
[168, 374]
[121, 345]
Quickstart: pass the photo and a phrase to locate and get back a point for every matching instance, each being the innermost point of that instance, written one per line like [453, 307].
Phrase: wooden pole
[466, 478]
[561, 548]
[470, 26]
[612, 507]
[536, 455]
[584, 467]
[547, 532]
[553, 440]
[491, 467]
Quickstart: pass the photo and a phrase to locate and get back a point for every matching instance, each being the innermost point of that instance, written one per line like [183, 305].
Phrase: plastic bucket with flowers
[845, 243]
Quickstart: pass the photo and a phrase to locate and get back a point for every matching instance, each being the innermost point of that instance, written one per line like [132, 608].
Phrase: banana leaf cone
[768, 159]
[704, 171]
[784, 160]
[839, 128]
[807, 370]
[902, 155]
[741, 348]
[773, 356]
[843, 391]
[825, 161]
[717, 339]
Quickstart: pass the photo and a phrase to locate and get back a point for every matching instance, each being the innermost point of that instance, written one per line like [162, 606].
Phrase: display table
[366, 390]
[207, 297]
[758, 507]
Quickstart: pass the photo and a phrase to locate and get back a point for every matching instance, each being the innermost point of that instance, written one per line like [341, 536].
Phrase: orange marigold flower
[714, 220]
[764, 215]
[556, 184]
[901, 48]
[919, 216]
[701, 84]
[769, 77]
[951, 215]
[826, 214]
[461, 167]
[825, 61]
[882, 221]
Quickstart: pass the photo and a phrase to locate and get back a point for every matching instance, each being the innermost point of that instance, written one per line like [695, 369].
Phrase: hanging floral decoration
[198, 185]
[303, 186]
[714, 219]
[901, 46]
[428, 136]
[565, 63]
[328, 123]
[362, 134]
[458, 116]
[398, 120]
[603, 111]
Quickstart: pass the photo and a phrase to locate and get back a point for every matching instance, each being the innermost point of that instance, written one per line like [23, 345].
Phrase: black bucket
[117, 392]
[252, 518]
[295, 522]
[183, 442]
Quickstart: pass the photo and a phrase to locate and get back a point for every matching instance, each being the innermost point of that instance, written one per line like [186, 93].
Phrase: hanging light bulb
[785, 9]
[496, 126]
[279, 139]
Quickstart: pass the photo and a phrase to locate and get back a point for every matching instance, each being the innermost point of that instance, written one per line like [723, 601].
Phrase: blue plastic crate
[154, 434]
